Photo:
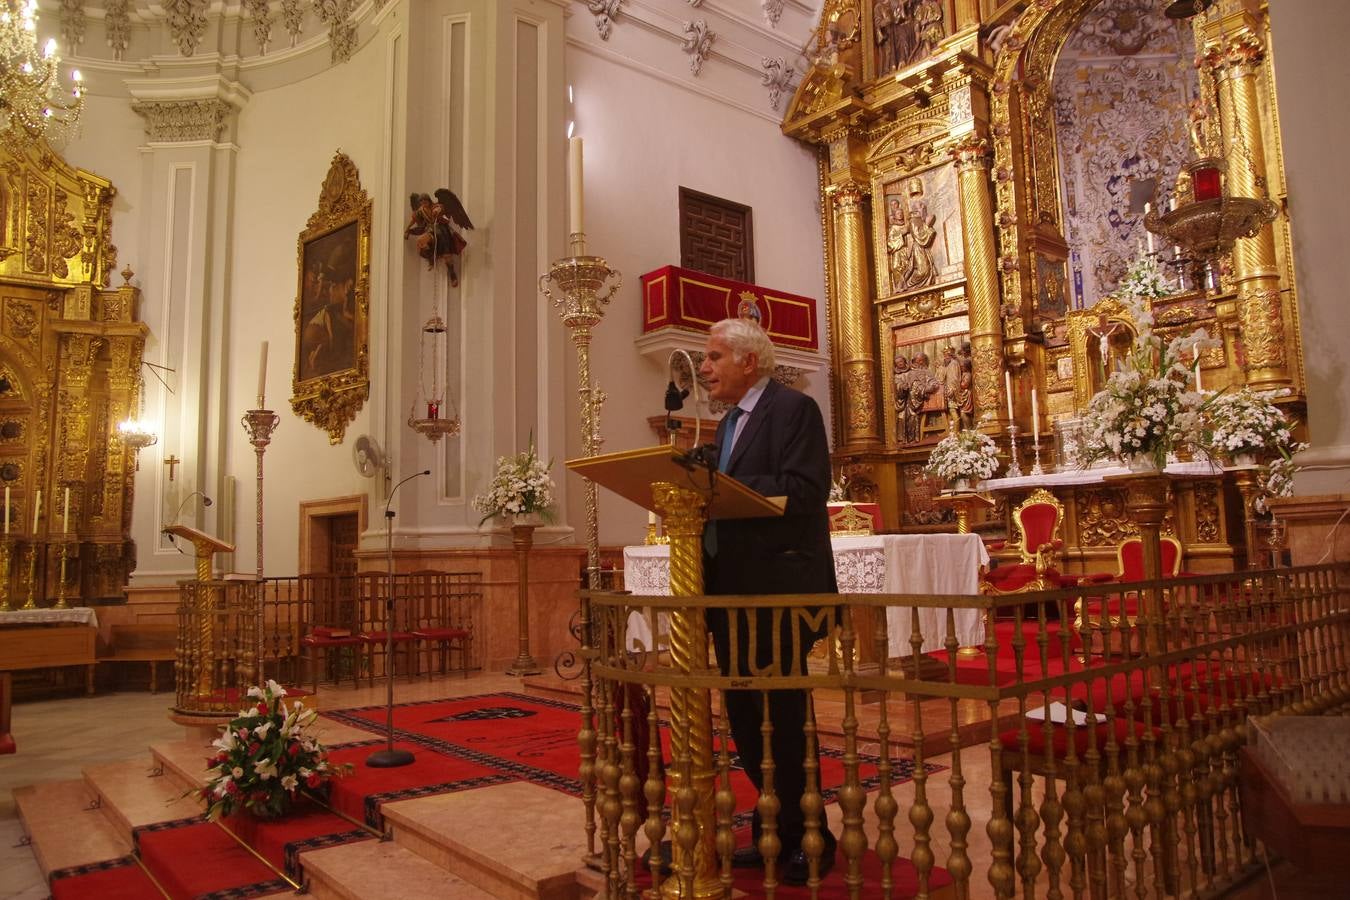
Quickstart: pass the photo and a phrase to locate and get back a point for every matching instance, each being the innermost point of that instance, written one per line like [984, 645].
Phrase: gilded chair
[1129, 568]
[1037, 521]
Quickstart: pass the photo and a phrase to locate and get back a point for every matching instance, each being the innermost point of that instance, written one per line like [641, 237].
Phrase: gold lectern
[206, 547]
[658, 479]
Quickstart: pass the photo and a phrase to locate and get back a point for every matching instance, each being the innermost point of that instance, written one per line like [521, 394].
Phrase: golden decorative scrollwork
[1207, 512]
[331, 396]
[1102, 520]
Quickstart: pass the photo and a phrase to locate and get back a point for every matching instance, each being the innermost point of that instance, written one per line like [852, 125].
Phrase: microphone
[206, 501]
[675, 394]
[675, 397]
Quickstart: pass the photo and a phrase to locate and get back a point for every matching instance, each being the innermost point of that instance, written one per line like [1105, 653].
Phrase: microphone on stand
[206, 501]
[389, 758]
[675, 394]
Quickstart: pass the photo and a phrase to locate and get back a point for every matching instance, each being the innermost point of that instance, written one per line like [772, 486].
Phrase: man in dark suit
[772, 440]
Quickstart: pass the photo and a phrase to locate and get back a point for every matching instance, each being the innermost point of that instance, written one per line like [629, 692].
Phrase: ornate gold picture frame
[331, 378]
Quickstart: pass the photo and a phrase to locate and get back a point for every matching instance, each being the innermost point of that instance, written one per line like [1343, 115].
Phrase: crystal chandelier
[33, 104]
[137, 432]
[438, 421]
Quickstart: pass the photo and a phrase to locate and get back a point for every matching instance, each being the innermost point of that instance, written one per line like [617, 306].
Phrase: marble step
[65, 827]
[516, 841]
[375, 870]
[183, 763]
[132, 796]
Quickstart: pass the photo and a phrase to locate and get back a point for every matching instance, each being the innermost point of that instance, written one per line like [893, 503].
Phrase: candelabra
[32, 574]
[5, 548]
[1014, 467]
[579, 287]
[64, 546]
[259, 424]
[1036, 448]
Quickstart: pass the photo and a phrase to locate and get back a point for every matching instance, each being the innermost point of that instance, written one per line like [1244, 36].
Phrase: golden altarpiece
[981, 167]
[70, 358]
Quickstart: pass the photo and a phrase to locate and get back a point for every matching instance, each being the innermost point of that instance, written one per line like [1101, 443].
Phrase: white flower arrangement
[1145, 409]
[521, 486]
[1246, 421]
[1277, 479]
[1142, 279]
[966, 454]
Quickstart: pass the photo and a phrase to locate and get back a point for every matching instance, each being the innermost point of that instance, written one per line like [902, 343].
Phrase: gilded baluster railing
[886, 807]
[958, 819]
[654, 789]
[770, 845]
[999, 828]
[920, 814]
[1051, 811]
[813, 802]
[586, 734]
[852, 797]
[628, 791]
[724, 801]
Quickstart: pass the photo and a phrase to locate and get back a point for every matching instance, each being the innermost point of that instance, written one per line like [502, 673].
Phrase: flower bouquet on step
[265, 756]
[520, 487]
[1146, 407]
[966, 456]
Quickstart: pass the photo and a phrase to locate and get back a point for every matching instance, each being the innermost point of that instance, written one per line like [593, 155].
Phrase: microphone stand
[389, 758]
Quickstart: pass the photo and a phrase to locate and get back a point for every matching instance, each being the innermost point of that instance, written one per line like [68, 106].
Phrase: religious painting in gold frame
[331, 377]
[931, 380]
[918, 231]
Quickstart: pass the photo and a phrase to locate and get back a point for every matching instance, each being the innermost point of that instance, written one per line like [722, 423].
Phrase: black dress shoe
[746, 858]
[664, 855]
[797, 869]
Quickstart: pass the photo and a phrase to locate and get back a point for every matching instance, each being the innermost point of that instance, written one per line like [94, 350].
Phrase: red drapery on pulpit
[672, 296]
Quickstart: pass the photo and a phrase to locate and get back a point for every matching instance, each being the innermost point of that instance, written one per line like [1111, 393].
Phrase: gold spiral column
[853, 315]
[690, 708]
[971, 154]
[1233, 54]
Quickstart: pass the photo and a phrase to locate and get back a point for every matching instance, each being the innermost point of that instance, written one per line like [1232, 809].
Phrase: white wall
[1312, 73]
[645, 136]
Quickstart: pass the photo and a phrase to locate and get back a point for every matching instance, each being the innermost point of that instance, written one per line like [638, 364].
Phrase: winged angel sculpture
[434, 223]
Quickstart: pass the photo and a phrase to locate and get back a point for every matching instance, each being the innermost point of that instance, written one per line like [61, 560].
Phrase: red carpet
[539, 744]
[117, 879]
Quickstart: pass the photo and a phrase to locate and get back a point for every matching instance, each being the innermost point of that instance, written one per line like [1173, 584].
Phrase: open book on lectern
[631, 474]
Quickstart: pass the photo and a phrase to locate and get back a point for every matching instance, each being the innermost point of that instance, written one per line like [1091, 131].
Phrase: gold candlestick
[259, 424]
[32, 575]
[61, 583]
[5, 549]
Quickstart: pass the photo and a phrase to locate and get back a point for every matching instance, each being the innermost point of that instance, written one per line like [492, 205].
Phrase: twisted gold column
[977, 238]
[1234, 57]
[690, 708]
[861, 426]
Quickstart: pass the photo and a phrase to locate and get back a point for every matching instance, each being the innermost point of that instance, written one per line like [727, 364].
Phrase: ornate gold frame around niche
[1079, 321]
[335, 387]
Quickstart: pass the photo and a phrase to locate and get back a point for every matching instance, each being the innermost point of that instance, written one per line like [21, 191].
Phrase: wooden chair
[373, 587]
[330, 622]
[442, 624]
[1037, 521]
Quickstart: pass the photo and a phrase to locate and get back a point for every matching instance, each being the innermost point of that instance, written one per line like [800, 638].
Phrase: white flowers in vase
[1142, 279]
[1245, 422]
[1146, 408]
[521, 486]
[966, 455]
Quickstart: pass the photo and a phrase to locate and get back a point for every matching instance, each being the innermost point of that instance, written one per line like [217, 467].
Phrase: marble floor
[58, 738]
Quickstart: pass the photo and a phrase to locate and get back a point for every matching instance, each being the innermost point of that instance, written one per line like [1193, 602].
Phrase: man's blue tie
[728, 437]
[723, 458]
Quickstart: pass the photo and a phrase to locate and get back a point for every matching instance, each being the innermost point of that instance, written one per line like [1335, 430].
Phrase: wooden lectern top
[200, 539]
[631, 474]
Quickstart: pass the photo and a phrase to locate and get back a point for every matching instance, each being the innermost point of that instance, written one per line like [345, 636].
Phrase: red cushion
[7, 744]
[440, 634]
[318, 640]
[379, 637]
[1038, 525]
[1059, 739]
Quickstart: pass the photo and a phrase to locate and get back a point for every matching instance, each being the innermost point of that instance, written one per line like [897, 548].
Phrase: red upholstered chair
[1129, 568]
[1037, 522]
[330, 642]
[374, 586]
[442, 622]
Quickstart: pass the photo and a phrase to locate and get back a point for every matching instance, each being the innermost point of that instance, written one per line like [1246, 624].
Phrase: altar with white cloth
[49, 638]
[863, 564]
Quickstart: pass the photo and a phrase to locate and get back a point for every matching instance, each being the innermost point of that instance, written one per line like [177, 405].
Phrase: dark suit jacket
[782, 451]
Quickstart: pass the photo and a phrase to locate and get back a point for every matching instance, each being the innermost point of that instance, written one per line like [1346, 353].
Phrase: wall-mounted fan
[369, 458]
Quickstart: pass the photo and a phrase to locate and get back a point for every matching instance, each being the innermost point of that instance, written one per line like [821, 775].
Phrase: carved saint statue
[922, 385]
[433, 223]
[909, 237]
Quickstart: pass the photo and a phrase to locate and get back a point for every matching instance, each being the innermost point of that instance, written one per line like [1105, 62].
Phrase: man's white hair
[745, 336]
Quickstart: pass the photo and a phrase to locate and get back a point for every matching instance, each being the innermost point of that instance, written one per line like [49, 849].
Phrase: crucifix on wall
[171, 461]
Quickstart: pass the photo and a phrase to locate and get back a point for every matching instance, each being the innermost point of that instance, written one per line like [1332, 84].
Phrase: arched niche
[1039, 214]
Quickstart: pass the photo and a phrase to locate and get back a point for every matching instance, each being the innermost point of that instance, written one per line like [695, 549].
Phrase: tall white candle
[1007, 386]
[262, 376]
[1035, 418]
[6, 509]
[37, 509]
[1198, 385]
[65, 513]
[1148, 235]
[574, 222]
[651, 517]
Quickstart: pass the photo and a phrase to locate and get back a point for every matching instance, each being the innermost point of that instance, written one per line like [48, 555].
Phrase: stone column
[977, 237]
[853, 320]
[1233, 56]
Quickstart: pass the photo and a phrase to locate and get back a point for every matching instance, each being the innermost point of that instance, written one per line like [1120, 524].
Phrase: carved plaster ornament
[773, 11]
[117, 26]
[293, 17]
[336, 14]
[175, 121]
[698, 41]
[72, 24]
[605, 12]
[262, 22]
[187, 23]
[777, 77]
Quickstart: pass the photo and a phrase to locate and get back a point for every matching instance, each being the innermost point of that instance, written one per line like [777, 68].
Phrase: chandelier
[438, 421]
[138, 432]
[33, 103]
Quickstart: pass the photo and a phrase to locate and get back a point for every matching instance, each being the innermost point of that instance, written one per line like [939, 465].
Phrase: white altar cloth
[79, 615]
[863, 564]
[1199, 467]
